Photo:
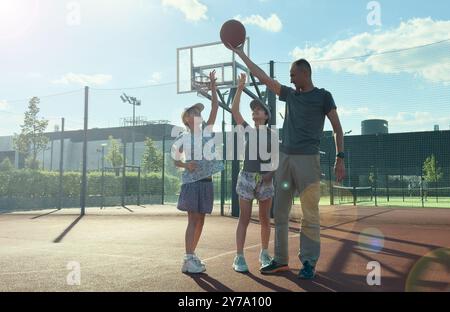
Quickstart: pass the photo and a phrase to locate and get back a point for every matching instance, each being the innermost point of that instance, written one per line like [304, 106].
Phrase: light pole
[56, 129]
[98, 158]
[135, 102]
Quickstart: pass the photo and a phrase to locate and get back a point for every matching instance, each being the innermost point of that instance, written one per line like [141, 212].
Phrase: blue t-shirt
[304, 120]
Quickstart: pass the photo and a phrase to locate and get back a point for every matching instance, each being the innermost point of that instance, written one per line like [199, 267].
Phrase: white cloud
[272, 23]
[426, 120]
[438, 73]
[431, 62]
[83, 79]
[343, 111]
[156, 78]
[3, 104]
[193, 10]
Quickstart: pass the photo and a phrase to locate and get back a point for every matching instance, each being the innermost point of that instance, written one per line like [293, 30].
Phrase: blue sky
[48, 48]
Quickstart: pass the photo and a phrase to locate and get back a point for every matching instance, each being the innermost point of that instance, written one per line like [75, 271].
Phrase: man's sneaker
[191, 265]
[274, 267]
[264, 258]
[307, 272]
[239, 264]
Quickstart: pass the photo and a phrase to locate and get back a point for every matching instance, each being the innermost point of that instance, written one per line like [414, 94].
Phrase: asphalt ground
[137, 249]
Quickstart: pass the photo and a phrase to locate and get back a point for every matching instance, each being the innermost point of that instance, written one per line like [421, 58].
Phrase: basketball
[233, 32]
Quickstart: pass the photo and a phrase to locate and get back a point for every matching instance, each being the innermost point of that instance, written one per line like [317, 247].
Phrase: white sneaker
[239, 264]
[264, 258]
[191, 265]
[199, 260]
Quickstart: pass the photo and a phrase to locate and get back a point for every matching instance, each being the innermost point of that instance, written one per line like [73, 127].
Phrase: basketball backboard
[194, 64]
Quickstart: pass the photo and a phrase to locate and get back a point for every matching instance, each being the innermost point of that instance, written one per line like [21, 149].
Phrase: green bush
[28, 183]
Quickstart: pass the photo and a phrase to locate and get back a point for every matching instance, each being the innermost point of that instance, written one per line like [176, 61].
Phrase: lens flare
[430, 273]
[371, 239]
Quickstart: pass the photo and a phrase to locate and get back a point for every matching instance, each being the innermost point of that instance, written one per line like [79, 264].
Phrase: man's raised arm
[272, 84]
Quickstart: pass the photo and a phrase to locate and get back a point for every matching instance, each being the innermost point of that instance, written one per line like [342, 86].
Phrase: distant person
[299, 161]
[197, 193]
[410, 189]
[424, 188]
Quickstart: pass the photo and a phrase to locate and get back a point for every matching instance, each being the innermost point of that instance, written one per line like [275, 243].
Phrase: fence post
[376, 186]
[222, 174]
[103, 185]
[272, 103]
[387, 187]
[61, 165]
[421, 188]
[401, 182]
[436, 180]
[123, 172]
[330, 182]
[139, 187]
[163, 167]
[85, 144]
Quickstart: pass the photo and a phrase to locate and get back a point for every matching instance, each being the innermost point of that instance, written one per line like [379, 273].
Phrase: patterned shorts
[251, 186]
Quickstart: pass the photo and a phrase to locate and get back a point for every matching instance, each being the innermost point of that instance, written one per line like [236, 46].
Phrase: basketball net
[201, 84]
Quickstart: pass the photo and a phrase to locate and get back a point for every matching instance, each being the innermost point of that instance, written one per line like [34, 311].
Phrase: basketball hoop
[201, 84]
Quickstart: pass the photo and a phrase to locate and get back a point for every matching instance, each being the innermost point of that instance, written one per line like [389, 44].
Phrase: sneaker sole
[239, 271]
[277, 270]
[190, 272]
[199, 272]
[307, 278]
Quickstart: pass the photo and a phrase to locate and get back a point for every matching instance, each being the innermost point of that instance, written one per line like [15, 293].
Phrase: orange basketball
[233, 32]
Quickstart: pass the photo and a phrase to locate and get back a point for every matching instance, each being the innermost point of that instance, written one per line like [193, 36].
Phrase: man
[299, 165]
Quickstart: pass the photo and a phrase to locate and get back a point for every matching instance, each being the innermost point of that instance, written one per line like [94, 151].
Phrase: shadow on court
[66, 231]
[209, 284]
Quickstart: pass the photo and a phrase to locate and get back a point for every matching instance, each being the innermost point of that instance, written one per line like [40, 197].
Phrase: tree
[114, 156]
[152, 158]
[31, 139]
[431, 171]
[6, 165]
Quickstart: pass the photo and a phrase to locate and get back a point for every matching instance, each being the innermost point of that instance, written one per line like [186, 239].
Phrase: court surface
[141, 249]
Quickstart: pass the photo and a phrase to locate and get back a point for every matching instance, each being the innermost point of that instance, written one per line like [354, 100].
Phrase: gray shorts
[251, 186]
[196, 197]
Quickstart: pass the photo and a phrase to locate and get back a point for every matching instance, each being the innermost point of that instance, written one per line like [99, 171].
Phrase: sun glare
[17, 17]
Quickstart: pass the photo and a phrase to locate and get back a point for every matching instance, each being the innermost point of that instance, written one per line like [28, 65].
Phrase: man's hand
[339, 170]
[271, 83]
[238, 50]
[191, 166]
